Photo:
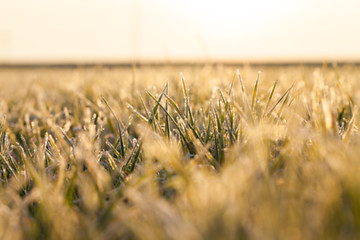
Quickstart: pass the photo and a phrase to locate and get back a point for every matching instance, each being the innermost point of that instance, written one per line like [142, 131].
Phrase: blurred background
[123, 31]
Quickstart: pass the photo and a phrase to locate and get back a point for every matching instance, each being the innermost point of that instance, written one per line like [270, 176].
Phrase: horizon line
[275, 62]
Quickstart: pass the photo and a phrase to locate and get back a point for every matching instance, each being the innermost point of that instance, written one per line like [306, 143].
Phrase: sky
[173, 30]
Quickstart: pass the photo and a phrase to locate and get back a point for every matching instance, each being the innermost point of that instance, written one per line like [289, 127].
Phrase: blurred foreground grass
[149, 153]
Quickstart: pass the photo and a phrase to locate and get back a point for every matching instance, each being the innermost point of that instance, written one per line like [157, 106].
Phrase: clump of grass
[270, 158]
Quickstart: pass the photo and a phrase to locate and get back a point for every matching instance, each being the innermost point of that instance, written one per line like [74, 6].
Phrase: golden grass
[148, 153]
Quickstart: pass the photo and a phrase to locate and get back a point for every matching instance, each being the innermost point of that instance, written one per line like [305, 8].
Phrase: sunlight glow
[163, 30]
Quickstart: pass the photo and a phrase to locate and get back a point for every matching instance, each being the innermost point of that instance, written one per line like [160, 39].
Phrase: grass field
[152, 153]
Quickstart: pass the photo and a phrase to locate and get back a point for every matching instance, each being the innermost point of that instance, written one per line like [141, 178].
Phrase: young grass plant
[278, 161]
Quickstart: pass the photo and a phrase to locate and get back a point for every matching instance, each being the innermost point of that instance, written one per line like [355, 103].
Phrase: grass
[151, 153]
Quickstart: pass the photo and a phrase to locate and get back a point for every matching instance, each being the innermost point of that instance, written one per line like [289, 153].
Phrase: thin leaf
[232, 84]
[240, 80]
[280, 99]
[255, 92]
[172, 119]
[270, 97]
[144, 106]
[167, 124]
[118, 127]
[133, 110]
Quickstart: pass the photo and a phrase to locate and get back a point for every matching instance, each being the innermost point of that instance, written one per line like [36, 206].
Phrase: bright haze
[80, 31]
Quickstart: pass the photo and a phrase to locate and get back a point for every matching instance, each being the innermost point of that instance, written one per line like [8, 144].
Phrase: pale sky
[169, 30]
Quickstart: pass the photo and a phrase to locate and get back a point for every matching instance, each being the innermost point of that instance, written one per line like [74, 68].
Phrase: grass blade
[188, 112]
[118, 127]
[154, 110]
[231, 85]
[240, 80]
[140, 116]
[174, 105]
[255, 92]
[270, 97]
[167, 124]
[172, 119]
[280, 99]
[144, 106]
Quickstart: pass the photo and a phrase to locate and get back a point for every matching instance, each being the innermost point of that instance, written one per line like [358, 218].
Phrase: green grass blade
[172, 119]
[139, 115]
[284, 102]
[253, 102]
[208, 130]
[270, 97]
[347, 132]
[280, 99]
[188, 112]
[222, 97]
[240, 80]
[136, 157]
[118, 127]
[231, 85]
[174, 105]
[167, 124]
[67, 138]
[154, 110]
[216, 142]
[144, 106]
[113, 149]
